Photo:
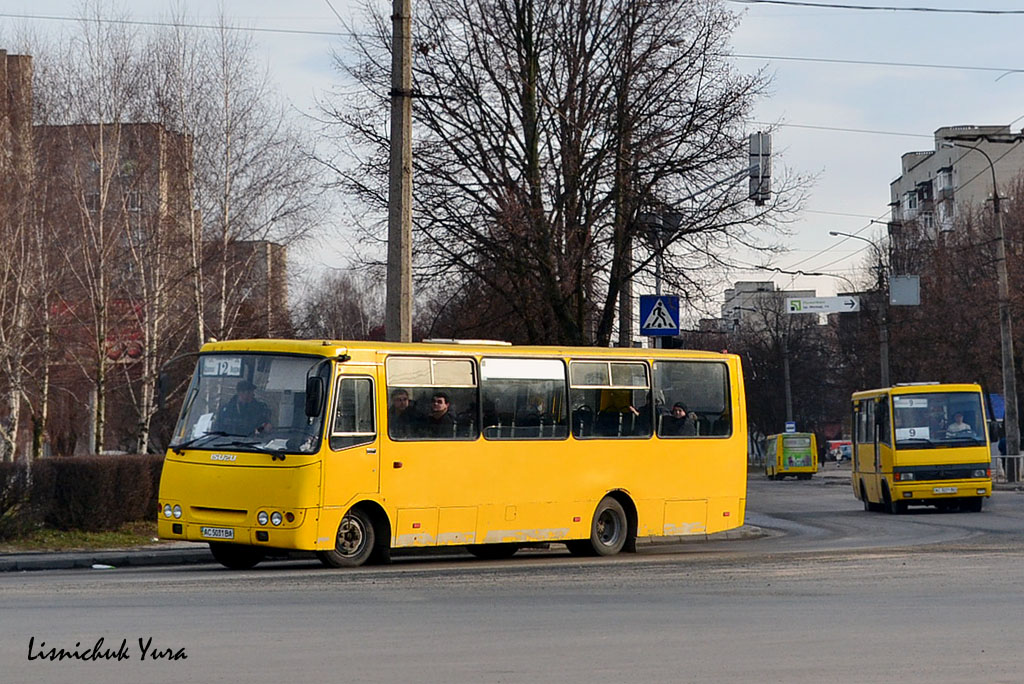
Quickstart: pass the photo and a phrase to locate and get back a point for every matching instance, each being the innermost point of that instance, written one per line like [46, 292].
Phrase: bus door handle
[371, 450]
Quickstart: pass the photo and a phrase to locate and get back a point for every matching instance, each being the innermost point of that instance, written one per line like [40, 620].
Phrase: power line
[869, 62]
[164, 24]
[876, 8]
[840, 129]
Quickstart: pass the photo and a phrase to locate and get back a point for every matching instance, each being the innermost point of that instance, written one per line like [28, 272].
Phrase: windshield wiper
[181, 446]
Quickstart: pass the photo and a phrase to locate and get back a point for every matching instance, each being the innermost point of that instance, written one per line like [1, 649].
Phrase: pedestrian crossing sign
[659, 315]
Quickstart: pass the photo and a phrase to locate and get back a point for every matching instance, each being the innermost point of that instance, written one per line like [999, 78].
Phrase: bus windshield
[249, 402]
[938, 419]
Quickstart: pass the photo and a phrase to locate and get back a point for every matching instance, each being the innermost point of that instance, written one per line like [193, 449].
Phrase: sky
[838, 118]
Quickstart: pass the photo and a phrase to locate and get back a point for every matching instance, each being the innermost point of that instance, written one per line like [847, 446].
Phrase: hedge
[91, 493]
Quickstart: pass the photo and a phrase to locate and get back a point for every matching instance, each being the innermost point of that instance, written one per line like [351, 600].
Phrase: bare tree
[340, 305]
[544, 130]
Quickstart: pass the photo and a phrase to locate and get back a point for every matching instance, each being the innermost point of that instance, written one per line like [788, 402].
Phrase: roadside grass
[130, 535]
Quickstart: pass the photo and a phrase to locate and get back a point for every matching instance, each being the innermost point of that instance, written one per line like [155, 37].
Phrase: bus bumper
[933, 492]
[299, 534]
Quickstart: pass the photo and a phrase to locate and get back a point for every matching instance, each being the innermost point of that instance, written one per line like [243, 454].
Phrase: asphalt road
[831, 594]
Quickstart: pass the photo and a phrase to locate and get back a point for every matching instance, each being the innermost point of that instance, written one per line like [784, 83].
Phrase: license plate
[217, 532]
[944, 490]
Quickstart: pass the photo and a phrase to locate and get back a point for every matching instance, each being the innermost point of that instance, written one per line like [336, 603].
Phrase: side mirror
[314, 396]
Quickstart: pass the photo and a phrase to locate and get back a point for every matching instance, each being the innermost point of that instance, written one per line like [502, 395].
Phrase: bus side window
[703, 390]
[523, 398]
[442, 398]
[610, 399]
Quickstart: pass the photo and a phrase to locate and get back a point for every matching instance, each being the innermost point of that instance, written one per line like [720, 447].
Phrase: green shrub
[92, 493]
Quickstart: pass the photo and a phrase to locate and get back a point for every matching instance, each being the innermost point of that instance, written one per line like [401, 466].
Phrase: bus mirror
[314, 396]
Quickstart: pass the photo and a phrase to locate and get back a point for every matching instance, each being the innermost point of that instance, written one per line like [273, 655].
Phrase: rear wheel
[493, 551]
[236, 556]
[354, 542]
[609, 529]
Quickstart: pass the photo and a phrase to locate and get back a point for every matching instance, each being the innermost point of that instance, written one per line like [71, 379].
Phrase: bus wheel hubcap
[350, 536]
[607, 528]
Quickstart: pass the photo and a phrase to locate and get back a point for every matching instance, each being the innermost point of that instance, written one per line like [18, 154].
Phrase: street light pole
[883, 325]
[1010, 423]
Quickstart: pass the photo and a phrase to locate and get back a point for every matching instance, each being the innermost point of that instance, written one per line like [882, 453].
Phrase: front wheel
[236, 556]
[354, 542]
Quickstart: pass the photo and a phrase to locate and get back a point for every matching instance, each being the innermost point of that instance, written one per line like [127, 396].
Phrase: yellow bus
[791, 453]
[921, 444]
[352, 449]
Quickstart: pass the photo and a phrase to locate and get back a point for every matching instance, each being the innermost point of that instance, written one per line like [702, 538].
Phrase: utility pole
[398, 314]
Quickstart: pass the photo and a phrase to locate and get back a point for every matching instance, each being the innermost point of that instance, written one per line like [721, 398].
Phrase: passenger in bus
[244, 414]
[439, 422]
[401, 415]
[958, 425]
[617, 422]
[532, 414]
[679, 423]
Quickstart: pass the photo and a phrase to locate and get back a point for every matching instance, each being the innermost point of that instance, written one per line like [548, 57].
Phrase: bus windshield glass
[253, 402]
[938, 419]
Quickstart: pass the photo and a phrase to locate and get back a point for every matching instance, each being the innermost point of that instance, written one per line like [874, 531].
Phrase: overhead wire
[878, 8]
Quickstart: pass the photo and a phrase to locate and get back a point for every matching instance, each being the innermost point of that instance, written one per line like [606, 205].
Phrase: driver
[958, 425]
[244, 414]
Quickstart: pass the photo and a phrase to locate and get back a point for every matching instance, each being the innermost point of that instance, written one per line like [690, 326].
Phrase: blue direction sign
[659, 315]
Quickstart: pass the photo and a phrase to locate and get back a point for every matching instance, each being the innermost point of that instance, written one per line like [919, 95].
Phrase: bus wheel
[973, 505]
[235, 556]
[868, 506]
[354, 542]
[493, 551]
[889, 505]
[609, 530]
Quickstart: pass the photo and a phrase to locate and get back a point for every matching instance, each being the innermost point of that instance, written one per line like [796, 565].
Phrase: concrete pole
[1010, 422]
[785, 375]
[398, 314]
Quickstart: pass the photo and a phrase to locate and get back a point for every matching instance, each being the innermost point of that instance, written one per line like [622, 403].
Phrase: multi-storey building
[937, 184]
[749, 305]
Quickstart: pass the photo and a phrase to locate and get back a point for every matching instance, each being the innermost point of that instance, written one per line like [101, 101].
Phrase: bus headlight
[167, 510]
[262, 517]
[276, 518]
[176, 511]
[979, 473]
[903, 477]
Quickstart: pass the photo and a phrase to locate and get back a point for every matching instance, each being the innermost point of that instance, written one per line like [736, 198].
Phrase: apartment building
[935, 185]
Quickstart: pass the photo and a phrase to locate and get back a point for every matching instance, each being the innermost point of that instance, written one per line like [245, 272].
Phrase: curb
[21, 562]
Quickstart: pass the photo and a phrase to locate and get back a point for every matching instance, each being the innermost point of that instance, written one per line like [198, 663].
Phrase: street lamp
[883, 325]
[1010, 424]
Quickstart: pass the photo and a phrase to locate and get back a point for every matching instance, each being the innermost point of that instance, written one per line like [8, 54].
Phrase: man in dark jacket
[244, 414]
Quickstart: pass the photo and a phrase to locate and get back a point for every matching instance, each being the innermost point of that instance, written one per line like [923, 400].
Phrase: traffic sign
[798, 305]
[659, 315]
[790, 426]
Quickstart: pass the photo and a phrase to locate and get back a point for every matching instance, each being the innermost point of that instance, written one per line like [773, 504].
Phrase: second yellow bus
[921, 444]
